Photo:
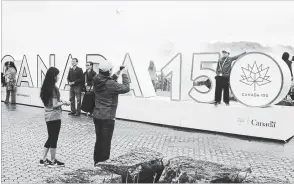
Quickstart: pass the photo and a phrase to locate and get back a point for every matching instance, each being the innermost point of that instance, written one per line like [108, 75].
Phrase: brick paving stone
[24, 134]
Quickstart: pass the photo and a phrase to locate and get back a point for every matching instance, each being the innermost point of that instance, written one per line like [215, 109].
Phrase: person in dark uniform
[75, 80]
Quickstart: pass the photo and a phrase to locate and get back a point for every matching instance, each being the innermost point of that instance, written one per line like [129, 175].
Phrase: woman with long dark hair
[50, 97]
[10, 78]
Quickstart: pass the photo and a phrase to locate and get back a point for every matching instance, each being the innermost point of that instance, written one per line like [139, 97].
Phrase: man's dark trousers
[104, 131]
[75, 92]
[222, 83]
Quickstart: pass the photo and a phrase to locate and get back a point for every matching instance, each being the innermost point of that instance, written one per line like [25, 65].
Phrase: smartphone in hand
[121, 68]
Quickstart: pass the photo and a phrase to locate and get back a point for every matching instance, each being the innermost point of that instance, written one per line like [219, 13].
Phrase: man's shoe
[71, 113]
[227, 104]
[95, 163]
[216, 104]
[97, 166]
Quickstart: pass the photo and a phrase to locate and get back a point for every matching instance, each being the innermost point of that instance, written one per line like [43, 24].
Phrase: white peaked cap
[227, 50]
[105, 65]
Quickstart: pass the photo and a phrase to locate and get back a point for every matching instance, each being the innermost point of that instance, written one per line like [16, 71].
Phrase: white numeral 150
[203, 66]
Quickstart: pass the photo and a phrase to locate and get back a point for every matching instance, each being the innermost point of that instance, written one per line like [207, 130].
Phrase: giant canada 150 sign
[257, 79]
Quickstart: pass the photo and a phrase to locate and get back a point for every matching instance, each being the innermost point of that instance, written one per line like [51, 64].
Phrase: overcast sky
[266, 22]
[85, 27]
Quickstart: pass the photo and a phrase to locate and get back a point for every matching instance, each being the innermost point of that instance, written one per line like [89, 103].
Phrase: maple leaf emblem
[255, 75]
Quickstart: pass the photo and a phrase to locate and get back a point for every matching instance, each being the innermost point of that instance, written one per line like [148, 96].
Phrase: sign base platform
[271, 122]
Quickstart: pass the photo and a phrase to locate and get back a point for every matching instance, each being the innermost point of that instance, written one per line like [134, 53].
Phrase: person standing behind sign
[89, 74]
[152, 73]
[106, 91]
[10, 78]
[286, 57]
[222, 78]
[292, 88]
[50, 97]
[75, 80]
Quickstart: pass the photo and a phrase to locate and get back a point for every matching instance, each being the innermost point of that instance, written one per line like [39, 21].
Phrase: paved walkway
[24, 134]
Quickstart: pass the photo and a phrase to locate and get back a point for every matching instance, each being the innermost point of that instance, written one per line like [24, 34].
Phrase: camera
[121, 67]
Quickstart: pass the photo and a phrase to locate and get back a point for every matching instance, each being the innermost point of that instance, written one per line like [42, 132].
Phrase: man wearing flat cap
[106, 91]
